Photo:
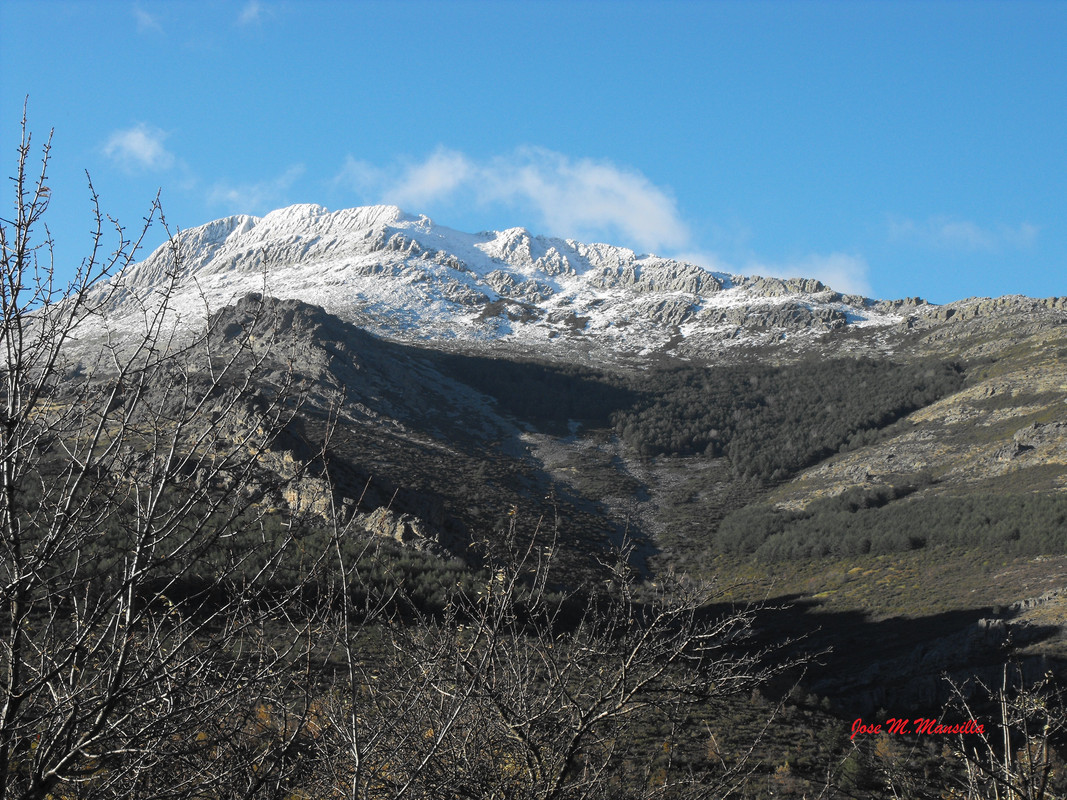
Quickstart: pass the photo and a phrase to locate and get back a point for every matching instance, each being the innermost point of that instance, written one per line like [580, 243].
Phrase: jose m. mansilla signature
[917, 726]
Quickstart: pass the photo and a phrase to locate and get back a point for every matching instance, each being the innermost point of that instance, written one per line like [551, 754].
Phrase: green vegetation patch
[859, 522]
[774, 421]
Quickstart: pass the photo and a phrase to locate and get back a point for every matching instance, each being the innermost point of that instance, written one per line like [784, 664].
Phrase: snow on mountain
[404, 277]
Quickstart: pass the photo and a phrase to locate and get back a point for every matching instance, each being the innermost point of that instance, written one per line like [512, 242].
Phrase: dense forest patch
[773, 421]
[879, 520]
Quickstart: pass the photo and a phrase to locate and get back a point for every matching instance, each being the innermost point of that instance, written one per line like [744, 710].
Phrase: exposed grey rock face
[989, 306]
[508, 285]
[665, 276]
[779, 287]
[787, 316]
[1036, 602]
[905, 304]
[406, 529]
[1040, 434]
[994, 309]
[668, 311]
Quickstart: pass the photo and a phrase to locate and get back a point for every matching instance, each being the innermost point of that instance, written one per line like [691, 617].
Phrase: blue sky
[895, 149]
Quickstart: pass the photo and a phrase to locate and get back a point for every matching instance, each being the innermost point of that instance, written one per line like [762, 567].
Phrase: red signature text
[894, 725]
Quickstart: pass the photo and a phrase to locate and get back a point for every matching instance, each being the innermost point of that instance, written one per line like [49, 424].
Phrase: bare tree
[520, 690]
[1016, 758]
[143, 633]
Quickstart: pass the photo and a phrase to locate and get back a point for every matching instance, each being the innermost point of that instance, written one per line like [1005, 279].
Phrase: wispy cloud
[840, 271]
[139, 148]
[443, 174]
[950, 233]
[582, 198]
[146, 22]
[255, 198]
[252, 12]
[703, 258]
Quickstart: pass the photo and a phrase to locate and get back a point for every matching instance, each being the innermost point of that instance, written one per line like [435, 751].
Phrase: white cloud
[251, 13]
[848, 274]
[145, 21]
[139, 148]
[709, 261]
[411, 185]
[950, 233]
[255, 198]
[580, 198]
[840, 271]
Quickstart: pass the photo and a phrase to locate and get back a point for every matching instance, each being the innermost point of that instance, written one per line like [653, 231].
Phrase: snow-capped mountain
[405, 277]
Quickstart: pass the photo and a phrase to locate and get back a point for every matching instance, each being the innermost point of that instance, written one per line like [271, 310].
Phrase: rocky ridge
[403, 277]
[406, 278]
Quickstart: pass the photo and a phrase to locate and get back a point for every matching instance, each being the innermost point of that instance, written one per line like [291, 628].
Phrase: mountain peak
[310, 215]
[405, 277]
[295, 214]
